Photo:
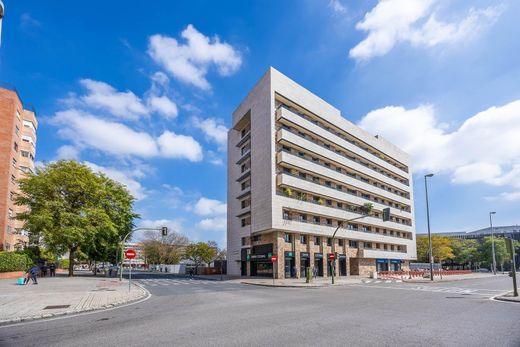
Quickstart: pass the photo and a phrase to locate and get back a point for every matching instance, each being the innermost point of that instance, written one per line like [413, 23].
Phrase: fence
[420, 273]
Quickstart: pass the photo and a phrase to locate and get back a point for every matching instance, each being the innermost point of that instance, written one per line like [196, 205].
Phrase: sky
[145, 93]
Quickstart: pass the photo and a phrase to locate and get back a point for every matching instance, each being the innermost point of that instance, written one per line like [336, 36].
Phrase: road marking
[433, 289]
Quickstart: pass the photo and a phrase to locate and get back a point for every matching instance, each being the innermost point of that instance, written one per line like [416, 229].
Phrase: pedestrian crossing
[398, 284]
[154, 282]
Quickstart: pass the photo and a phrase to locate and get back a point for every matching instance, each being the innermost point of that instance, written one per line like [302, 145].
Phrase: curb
[502, 298]
[146, 295]
[448, 280]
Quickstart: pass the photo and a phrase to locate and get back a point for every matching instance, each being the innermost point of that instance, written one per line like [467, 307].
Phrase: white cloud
[416, 22]
[163, 105]
[213, 224]
[506, 196]
[86, 130]
[207, 207]
[213, 130]
[190, 62]
[485, 148]
[125, 105]
[337, 6]
[67, 152]
[123, 177]
[179, 146]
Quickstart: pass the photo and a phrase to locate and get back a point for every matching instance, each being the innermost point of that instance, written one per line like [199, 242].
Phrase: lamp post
[493, 243]
[430, 252]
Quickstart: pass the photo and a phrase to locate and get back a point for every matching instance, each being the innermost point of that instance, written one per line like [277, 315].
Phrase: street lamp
[340, 223]
[430, 253]
[493, 244]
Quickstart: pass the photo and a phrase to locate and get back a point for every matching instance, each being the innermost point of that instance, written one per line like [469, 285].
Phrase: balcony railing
[355, 143]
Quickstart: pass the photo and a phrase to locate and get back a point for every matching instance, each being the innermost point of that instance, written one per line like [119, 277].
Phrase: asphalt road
[212, 313]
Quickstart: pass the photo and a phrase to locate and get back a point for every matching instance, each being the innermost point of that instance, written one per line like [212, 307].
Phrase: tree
[200, 253]
[441, 248]
[465, 251]
[366, 208]
[71, 208]
[501, 254]
[168, 249]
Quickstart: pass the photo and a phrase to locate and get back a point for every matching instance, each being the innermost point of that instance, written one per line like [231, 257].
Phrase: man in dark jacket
[32, 272]
[52, 269]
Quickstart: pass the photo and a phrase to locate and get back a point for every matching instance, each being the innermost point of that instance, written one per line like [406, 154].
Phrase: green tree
[441, 248]
[501, 254]
[200, 253]
[72, 208]
[466, 251]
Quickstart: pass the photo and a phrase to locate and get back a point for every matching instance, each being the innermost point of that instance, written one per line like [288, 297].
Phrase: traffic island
[301, 283]
[508, 297]
[58, 296]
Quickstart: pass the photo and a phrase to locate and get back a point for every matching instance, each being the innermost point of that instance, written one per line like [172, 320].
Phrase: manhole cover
[55, 307]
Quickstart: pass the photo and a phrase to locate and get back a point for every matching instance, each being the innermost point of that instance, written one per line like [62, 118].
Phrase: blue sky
[145, 93]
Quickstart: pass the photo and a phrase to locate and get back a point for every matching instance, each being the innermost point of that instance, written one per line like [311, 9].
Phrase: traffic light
[386, 214]
[164, 231]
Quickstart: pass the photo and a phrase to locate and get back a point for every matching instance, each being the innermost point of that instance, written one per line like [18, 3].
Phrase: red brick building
[17, 152]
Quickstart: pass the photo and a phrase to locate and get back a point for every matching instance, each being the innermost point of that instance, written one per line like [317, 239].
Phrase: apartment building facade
[296, 170]
[17, 153]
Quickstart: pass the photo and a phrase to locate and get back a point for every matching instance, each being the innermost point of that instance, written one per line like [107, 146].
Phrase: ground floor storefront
[256, 261]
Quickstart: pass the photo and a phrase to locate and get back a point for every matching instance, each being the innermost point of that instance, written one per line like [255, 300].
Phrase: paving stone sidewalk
[54, 296]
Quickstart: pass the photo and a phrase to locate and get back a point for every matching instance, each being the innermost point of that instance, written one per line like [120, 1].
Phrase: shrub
[64, 263]
[10, 261]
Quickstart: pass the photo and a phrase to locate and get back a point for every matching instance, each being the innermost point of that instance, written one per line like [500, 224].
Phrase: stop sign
[130, 254]
[274, 258]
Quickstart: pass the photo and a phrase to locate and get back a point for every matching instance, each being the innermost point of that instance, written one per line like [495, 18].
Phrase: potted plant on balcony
[288, 192]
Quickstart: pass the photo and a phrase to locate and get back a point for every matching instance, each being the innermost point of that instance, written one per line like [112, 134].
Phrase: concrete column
[296, 250]
[278, 249]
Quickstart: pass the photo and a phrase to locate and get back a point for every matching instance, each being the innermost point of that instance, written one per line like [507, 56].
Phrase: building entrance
[290, 265]
[305, 262]
[381, 265]
[262, 268]
[342, 265]
[318, 264]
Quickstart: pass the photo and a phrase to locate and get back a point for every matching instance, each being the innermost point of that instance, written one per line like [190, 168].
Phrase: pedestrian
[44, 270]
[52, 269]
[32, 273]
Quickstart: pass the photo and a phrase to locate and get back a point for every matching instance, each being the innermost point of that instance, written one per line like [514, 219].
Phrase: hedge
[10, 261]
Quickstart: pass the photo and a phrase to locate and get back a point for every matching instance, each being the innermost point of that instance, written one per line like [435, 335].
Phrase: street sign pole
[274, 258]
[511, 249]
[130, 276]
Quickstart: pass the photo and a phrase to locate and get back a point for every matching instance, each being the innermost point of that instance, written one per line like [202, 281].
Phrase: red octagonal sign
[130, 254]
[274, 258]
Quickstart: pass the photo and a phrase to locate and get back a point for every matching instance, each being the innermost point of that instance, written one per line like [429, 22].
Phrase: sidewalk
[62, 295]
[508, 297]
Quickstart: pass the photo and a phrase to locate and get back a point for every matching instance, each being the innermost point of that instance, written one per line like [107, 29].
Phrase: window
[286, 215]
[340, 205]
[367, 245]
[245, 203]
[329, 241]
[316, 179]
[10, 213]
[316, 220]
[244, 167]
[316, 160]
[341, 242]
[286, 148]
[243, 241]
[303, 218]
[14, 162]
[15, 147]
[328, 202]
[11, 196]
[352, 244]
[18, 114]
[13, 179]
[257, 238]
[301, 154]
[317, 240]
[25, 154]
[246, 221]
[327, 165]
[287, 238]
[303, 239]
[328, 183]
[329, 221]
[246, 184]
[17, 130]
[302, 175]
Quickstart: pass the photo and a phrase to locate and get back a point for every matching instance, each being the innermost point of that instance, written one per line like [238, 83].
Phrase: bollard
[309, 275]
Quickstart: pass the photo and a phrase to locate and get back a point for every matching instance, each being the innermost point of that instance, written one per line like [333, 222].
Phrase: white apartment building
[297, 168]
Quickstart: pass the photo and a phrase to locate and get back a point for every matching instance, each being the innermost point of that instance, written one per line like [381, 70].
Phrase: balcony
[350, 145]
[311, 145]
[320, 169]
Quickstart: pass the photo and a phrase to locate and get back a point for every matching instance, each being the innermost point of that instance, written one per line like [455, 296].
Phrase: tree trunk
[71, 261]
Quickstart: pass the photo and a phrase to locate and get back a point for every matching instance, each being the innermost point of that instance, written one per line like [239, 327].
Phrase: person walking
[52, 270]
[32, 272]
[44, 270]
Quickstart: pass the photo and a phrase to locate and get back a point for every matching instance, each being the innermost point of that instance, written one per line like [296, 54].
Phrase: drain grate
[55, 307]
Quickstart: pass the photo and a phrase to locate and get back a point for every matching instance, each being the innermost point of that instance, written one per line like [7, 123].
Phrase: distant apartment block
[297, 168]
[17, 152]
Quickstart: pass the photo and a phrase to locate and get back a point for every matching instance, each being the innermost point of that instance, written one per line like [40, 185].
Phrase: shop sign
[395, 261]
[342, 256]
[305, 255]
[318, 256]
[382, 261]
[258, 256]
[289, 254]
